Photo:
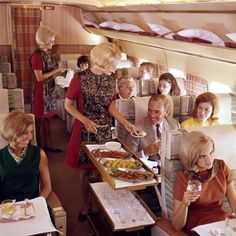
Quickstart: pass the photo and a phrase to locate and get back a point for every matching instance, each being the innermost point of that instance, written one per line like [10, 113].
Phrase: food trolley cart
[116, 197]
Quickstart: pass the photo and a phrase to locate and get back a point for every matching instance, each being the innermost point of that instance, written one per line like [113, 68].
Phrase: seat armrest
[166, 226]
[58, 212]
[53, 201]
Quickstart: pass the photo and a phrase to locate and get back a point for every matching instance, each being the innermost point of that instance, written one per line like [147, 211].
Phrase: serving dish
[113, 146]
[103, 153]
[129, 164]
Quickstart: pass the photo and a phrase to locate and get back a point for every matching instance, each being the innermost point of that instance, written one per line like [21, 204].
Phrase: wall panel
[5, 19]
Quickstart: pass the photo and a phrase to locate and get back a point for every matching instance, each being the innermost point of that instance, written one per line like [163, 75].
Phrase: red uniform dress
[93, 95]
[208, 207]
[43, 95]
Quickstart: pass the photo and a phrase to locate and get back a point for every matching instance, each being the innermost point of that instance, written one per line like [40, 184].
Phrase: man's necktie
[158, 131]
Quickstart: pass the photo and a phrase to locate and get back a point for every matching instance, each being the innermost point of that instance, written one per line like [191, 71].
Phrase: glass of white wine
[194, 185]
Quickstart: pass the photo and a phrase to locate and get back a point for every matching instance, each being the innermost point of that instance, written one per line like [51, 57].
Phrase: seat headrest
[224, 137]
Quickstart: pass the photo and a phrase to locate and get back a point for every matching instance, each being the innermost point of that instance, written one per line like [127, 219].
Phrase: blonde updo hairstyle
[105, 54]
[15, 125]
[192, 145]
[43, 35]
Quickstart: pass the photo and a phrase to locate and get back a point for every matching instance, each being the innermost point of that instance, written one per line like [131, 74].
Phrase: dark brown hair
[175, 90]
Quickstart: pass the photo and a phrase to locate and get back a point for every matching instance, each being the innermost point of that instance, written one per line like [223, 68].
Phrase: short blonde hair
[43, 35]
[105, 54]
[15, 125]
[192, 146]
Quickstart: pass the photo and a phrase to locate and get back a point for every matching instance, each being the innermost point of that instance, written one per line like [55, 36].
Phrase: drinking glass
[8, 207]
[194, 185]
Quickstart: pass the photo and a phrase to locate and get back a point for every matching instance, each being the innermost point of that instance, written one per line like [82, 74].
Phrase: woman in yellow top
[205, 111]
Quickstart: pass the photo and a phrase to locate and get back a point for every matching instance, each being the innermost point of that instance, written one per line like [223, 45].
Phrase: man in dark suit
[153, 125]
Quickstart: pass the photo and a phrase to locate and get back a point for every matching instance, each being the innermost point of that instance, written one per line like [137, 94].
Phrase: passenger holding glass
[205, 111]
[191, 207]
[94, 91]
[24, 171]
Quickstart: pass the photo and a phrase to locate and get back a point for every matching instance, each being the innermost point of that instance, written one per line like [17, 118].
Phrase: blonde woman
[205, 111]
[94, 91]
[44, 95]
[191, 207]
[23, 166]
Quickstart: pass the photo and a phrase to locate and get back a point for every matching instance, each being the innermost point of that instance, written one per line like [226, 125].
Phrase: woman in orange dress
[192, 208]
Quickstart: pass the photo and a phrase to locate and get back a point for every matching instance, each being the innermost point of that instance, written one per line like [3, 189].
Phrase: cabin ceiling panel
[65, 21]
[201, 50]
[137, 5]
[218, 23]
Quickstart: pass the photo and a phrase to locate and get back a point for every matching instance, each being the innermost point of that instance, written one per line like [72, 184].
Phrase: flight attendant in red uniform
[44, 95]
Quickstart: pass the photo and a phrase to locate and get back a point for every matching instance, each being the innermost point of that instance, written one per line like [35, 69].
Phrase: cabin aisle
[65, 181]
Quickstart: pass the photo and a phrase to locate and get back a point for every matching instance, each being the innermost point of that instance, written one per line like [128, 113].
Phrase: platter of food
[130, 164]
[139, 134]
[103, 153]
[120, 168]
[131, 175]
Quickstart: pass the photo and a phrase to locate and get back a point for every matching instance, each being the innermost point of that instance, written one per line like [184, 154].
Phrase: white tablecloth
[216, 227]
[41, 223]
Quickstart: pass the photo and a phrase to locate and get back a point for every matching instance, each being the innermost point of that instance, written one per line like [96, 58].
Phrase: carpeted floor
[65, 181]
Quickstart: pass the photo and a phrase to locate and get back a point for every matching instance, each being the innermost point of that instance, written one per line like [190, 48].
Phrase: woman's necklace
[17, 158]
[205, 176]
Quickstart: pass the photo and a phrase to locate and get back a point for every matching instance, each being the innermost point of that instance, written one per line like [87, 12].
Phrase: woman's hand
[89, 125]
[190, 196]
[130, 127]
[61, 70]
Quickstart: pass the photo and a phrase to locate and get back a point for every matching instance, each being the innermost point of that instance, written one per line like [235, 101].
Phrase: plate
[131, 175]
[113, 146]
[23, 211]
[102, 153]
[129, 164]
[140, 133]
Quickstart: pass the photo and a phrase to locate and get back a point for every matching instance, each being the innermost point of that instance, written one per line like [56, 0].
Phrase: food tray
[106, 173]
[24, 210]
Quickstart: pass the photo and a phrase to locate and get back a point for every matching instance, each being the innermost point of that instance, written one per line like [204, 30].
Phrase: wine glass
[194, 185]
